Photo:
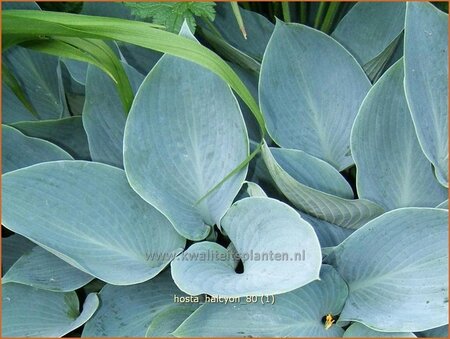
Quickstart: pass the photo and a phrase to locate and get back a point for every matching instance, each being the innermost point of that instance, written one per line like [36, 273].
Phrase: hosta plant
[291, 182]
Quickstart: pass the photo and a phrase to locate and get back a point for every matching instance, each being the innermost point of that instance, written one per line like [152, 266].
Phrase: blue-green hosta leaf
[396, 267]
[77, 70]
[168, 320]
[258, 29]
[111, 9]
[142, 59]
[310, 90]
[67, 133]
[254, 190]
[443, 205]
[329, 235]
[20, 5]
[295, 314]
[19, 151]
[392, 169]
[13, 247]
[40, 78]
[41, 269]
[13, 109]
[370, 31]
[31, 312]
[128, 311]
[358, 330]
[438, 332]
[315, 187]
[426, 81]
[256, 227]
[194, 136]
[104, 116]
[250, 80]
[88, 215]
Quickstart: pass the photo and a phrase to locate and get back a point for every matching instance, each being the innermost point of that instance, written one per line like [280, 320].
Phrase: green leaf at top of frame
[21, 25]
[172, 14]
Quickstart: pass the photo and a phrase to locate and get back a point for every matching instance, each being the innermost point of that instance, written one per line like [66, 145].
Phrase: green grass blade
[286, 11]
[93, 51]
[238, 16]
[329, 17]
[22, 24]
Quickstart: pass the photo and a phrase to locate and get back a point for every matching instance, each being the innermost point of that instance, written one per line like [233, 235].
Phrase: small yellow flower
[329, 321]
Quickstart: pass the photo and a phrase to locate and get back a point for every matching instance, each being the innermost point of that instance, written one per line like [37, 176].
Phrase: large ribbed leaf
[316, 188]
[310, 90]
[41, 269]
[183, 139]
[19, 151]
[396, 267]
[392, 169]
[127, 311]
[104, 117]
[426, 81]
[295, 314]
[370, 31]
[88, 215]
[270, 238]
[30, 312]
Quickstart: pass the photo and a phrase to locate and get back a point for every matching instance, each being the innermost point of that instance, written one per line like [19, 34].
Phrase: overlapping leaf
[128, 311]
[310, 90]
[19, 151]
[194, 137]
[270, 238]
[371, 32]
[67, 133]
[392, 169]
[315, 187]
[41, 269]
[426, 81]
[104, 117]
[31, 312]
[88, 215]
[295, 314]
[396, 267]
[40, 78]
